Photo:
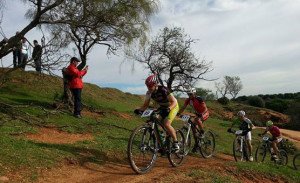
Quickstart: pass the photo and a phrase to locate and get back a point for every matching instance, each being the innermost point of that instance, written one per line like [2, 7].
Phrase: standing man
[246, 125]
[24, 53]
[17, 53]
[75, 83]
[36, 55]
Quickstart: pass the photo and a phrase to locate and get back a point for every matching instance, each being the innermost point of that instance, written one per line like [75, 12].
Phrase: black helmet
[74, 59]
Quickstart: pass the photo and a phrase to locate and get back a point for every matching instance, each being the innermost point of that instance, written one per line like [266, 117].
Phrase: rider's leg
[195, 135]
[200, 124]
[248, 139]
[249, 146]
[274, 146]
[170, 129]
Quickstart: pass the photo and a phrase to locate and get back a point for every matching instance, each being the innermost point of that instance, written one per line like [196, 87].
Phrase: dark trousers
[17, 56]
[77, 100]
[38, 63]
[24, 58]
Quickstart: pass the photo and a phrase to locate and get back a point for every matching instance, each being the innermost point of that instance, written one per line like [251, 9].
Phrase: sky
[257, 40]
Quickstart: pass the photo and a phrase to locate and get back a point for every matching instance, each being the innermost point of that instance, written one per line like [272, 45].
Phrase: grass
[27, 93]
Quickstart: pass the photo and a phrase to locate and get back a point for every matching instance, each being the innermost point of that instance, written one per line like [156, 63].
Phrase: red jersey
[274, 131]
[197, 103]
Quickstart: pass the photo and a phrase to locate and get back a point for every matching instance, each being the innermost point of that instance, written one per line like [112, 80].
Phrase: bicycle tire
[176, 159]
[143, 148]
[296, 162]
[283, 157]
[260, 153]
[206, 142]
[237, 152]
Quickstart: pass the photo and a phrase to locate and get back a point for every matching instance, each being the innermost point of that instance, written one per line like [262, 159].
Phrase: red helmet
[151, 80]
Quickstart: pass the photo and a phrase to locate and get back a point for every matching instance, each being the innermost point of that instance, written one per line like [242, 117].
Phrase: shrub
[256, 101]
[223, 100]
[288, 146]
[278, 105]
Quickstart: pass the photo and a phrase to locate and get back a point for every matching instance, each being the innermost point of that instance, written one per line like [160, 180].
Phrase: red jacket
[77, 75]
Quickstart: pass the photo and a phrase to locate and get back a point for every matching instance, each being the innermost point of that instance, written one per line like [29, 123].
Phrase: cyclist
[276, 136]
[201, 112]
[246, 125]
[168, 106]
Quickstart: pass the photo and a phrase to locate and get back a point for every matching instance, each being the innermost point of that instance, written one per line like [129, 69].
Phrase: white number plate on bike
[265, 138]
[239, 132]
[147, 113]
[185, 118]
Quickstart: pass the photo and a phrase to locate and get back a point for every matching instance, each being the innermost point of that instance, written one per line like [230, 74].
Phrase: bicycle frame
[191, 125]
[154, 126]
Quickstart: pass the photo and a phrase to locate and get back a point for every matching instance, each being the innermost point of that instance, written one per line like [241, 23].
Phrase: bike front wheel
[176, 158]
[260, 153]
[141, 149]
[296, 161]
[207, 145]
[282, 158]
[238, 150]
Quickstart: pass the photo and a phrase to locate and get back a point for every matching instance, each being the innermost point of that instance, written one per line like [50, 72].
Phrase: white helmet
[191, 90]
[241, 113]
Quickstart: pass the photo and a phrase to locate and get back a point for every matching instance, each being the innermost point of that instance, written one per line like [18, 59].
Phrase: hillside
[42, 142]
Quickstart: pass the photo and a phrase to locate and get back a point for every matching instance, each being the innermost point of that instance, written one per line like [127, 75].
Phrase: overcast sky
[257, 40]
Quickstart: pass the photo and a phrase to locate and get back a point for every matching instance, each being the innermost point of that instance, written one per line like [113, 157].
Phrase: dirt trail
[293, 136]
[118, 172]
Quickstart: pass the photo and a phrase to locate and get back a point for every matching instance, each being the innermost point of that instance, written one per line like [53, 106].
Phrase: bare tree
[229, 85]
[235, 86]
[170, 57]
[109, 23]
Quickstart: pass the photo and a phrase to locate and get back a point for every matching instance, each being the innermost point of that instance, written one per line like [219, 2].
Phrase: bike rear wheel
[207, 145]
[238, 151]
[188, 140]
[141, 149]
[176, 159]
[260, 153]
[296, 161]
[282, 158]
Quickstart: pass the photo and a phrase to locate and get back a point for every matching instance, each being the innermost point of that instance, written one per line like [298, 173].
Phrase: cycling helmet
[151, 80]
[241, 113]
[191, 90]
[269, 123]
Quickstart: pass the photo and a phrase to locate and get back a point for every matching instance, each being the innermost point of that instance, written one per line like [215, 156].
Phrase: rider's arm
[146, 105]
[266, 130]
[205, 108]
[173, 101]
[182, 109]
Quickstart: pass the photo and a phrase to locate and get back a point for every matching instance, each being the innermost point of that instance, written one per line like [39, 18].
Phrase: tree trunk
[67, 95]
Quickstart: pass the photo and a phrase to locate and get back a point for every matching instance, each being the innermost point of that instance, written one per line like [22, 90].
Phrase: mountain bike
[264, 146]
[240, 149]
[206, 144]
[296, 161]
[147, 140]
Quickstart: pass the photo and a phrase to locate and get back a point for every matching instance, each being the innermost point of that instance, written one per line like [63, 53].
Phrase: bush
[288, 146]
[256, 101]
[223, 100]
[242, 98]
[278, 105]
